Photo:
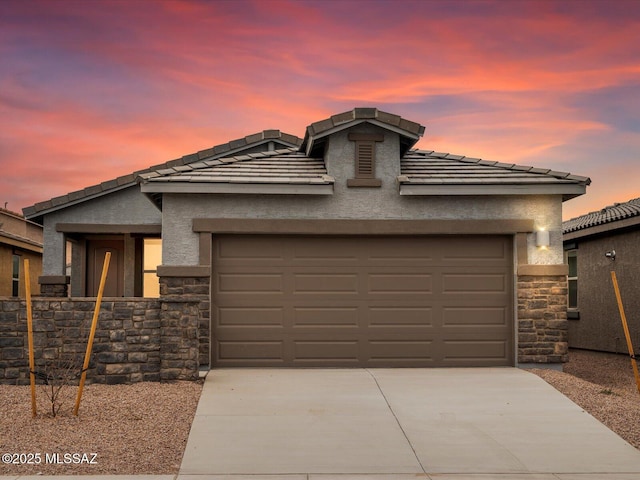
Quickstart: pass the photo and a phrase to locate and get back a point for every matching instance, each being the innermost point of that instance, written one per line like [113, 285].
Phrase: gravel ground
[143, 428]
[139, 428]
[602, 384]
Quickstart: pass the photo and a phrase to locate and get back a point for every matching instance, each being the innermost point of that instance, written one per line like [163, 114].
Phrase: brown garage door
[362, 301]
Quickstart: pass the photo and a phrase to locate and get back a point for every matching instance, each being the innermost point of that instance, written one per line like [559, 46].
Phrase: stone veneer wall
[542, 319]
[137, 339]
[185, 326]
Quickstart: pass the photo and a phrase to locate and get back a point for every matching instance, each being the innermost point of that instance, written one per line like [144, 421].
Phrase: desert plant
[59, 373]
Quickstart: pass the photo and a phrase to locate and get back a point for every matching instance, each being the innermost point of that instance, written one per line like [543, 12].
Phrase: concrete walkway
[351, 424]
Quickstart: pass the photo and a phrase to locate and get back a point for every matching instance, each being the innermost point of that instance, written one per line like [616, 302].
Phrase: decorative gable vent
[365, 161]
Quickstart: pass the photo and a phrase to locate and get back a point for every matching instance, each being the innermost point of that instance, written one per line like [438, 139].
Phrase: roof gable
[267, 139]
[316, 134]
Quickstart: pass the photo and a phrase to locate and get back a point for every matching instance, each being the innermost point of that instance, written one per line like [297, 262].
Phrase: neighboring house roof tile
[607, 216]
[128, 180]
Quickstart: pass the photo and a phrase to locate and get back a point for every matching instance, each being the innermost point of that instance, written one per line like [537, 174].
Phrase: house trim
[106, 228]
[242, 188]
[184, 271]
[362, 227]
[54, 279]
[568, 191]
[543, 270]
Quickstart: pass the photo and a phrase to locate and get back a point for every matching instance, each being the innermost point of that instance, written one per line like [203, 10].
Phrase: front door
[114, 286]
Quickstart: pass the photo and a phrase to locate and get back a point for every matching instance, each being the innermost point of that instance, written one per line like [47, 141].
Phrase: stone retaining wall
[542, 319]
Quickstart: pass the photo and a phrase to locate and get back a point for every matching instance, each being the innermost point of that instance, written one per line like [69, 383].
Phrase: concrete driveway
[444, 424]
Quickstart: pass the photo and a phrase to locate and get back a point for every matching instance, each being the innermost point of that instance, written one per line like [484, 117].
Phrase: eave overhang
[154, 189]
[567, 191]
[20, 242]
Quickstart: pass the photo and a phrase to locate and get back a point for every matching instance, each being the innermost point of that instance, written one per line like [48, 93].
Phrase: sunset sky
[91, 90]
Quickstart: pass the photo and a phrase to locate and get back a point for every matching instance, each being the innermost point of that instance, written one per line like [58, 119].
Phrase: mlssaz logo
[71, 458]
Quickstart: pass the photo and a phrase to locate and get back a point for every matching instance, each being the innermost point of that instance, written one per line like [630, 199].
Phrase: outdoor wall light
[542, 239]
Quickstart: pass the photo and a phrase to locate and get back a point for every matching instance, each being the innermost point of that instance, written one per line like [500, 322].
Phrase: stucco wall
[127, 206]
[180, 244]
[599, 326]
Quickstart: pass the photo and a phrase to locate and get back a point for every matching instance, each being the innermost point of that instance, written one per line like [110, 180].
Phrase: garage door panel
[318, 316]
[317, 251]
[324, 283]
[401, 351]
[326, 350]
[475, 316]
[395, 316]
[243, 250]
[249, 316]
[474, 283]
[238, 283]
[362, 301]
[406, 250]
[248, 351]
[381, 283]
[475, 351]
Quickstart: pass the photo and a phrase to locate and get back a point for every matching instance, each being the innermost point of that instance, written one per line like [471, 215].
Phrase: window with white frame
[15, 276]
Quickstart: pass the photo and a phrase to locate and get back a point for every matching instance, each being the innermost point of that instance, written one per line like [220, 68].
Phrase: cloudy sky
[91, 90]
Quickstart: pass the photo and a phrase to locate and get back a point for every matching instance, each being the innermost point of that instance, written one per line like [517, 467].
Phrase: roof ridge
[365, 113]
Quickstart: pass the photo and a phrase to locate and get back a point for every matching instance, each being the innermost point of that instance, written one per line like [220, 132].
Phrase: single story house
[596, 244]
[20, 239]
[346, 247]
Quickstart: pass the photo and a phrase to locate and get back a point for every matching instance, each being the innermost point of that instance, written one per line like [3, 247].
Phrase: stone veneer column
[54, 286]
[542, 319]
[183, 292]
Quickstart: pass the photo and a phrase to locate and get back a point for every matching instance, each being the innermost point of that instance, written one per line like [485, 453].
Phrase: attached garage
[345, 248]
[362, 301]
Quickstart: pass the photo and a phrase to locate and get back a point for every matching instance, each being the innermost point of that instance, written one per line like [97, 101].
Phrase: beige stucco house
[20, 239]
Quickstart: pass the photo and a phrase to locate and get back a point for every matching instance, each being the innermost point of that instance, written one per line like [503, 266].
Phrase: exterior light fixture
[611, 255]
[542, 239]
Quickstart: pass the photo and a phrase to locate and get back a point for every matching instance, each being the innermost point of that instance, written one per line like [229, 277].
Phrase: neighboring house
[595, 322]
[344, 248]
[20, 239]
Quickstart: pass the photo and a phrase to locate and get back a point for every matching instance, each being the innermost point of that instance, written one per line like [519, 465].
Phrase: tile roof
[284, 166]
[425, 167]
[607, 215]
[125, 181]
[409, 131]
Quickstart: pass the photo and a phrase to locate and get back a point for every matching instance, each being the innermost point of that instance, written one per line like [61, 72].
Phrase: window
[572, 261]
[152, 257]
[15, 276]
